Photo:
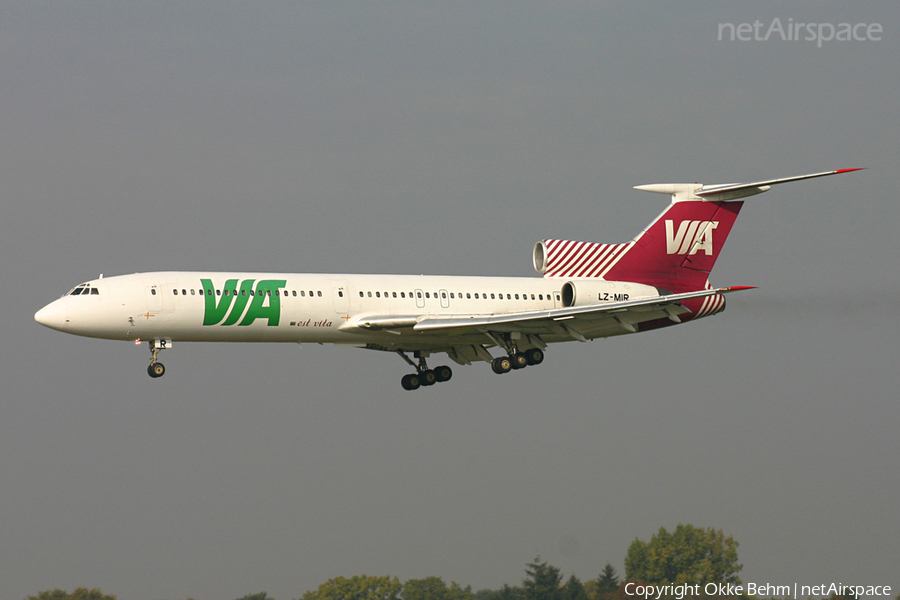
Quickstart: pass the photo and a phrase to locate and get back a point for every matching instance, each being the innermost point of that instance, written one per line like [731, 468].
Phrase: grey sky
[414, 138]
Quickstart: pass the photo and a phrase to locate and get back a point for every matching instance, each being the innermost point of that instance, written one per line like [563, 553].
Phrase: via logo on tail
[691, 237]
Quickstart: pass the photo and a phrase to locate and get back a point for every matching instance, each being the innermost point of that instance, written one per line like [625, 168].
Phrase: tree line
[686, 556]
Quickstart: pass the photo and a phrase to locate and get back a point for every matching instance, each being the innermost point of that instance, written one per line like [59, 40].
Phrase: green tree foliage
[687, 555]
[608, 582]
[259, 596]
[542, 582]
[604, 586]
[574, 590]
[434, 588]
[508, 592]
[79, 594]
[358, 587]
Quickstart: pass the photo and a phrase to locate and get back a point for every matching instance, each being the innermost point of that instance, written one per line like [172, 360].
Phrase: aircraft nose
[53, 315]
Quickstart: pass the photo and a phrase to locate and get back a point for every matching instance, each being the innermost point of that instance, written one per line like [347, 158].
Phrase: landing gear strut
[423, 375]
[157, 369]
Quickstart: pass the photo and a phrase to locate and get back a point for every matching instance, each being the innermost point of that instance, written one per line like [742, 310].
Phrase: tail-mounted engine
[593, 291]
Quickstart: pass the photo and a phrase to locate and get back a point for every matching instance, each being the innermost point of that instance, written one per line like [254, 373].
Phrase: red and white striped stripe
[565, 258]
[711, 305]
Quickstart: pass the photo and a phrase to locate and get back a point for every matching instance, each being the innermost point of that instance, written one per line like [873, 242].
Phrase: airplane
[587, 291]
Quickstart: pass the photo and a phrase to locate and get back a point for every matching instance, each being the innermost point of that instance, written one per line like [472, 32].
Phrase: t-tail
[674, 253]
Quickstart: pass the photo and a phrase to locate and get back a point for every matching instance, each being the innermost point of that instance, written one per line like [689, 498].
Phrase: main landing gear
[517, 360]
[423, 375]
[501, 364]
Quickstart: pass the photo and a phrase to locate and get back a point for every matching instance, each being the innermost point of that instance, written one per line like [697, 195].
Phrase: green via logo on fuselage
[264, 299]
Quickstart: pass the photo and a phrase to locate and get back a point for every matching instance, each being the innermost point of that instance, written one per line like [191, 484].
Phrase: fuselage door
[154, 297]
[340, 297]
[445, 298]
[420, 299]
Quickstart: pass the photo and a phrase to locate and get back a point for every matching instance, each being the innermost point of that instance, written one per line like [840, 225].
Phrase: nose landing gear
[157, 369]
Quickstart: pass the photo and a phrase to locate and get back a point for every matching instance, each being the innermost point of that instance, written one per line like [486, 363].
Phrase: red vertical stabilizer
[678, 250]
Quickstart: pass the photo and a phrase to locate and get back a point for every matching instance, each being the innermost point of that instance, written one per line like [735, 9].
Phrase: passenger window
[394, 294]
[427, 295]
[184, 292]
[369, 294]
[403, 294]
[378, 294]
[175, 292]
[294, 293]
[361, 295]
[517, 296]
[319, 294]
[444, 295]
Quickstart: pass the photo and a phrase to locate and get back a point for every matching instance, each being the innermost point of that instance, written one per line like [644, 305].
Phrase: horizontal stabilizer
[724, 192]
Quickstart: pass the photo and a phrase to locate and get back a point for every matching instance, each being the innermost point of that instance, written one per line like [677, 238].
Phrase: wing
[576, 321]
[467, 335]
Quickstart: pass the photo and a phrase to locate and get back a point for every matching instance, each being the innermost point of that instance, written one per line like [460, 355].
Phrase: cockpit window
[83, 289]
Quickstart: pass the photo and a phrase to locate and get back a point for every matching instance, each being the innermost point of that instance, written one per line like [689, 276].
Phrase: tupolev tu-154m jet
[587, 291]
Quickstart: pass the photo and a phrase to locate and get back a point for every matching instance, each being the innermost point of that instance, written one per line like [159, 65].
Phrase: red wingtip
[735, 288]
[849, 170]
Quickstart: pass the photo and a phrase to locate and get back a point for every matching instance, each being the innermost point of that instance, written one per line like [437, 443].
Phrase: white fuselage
[280, 307]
